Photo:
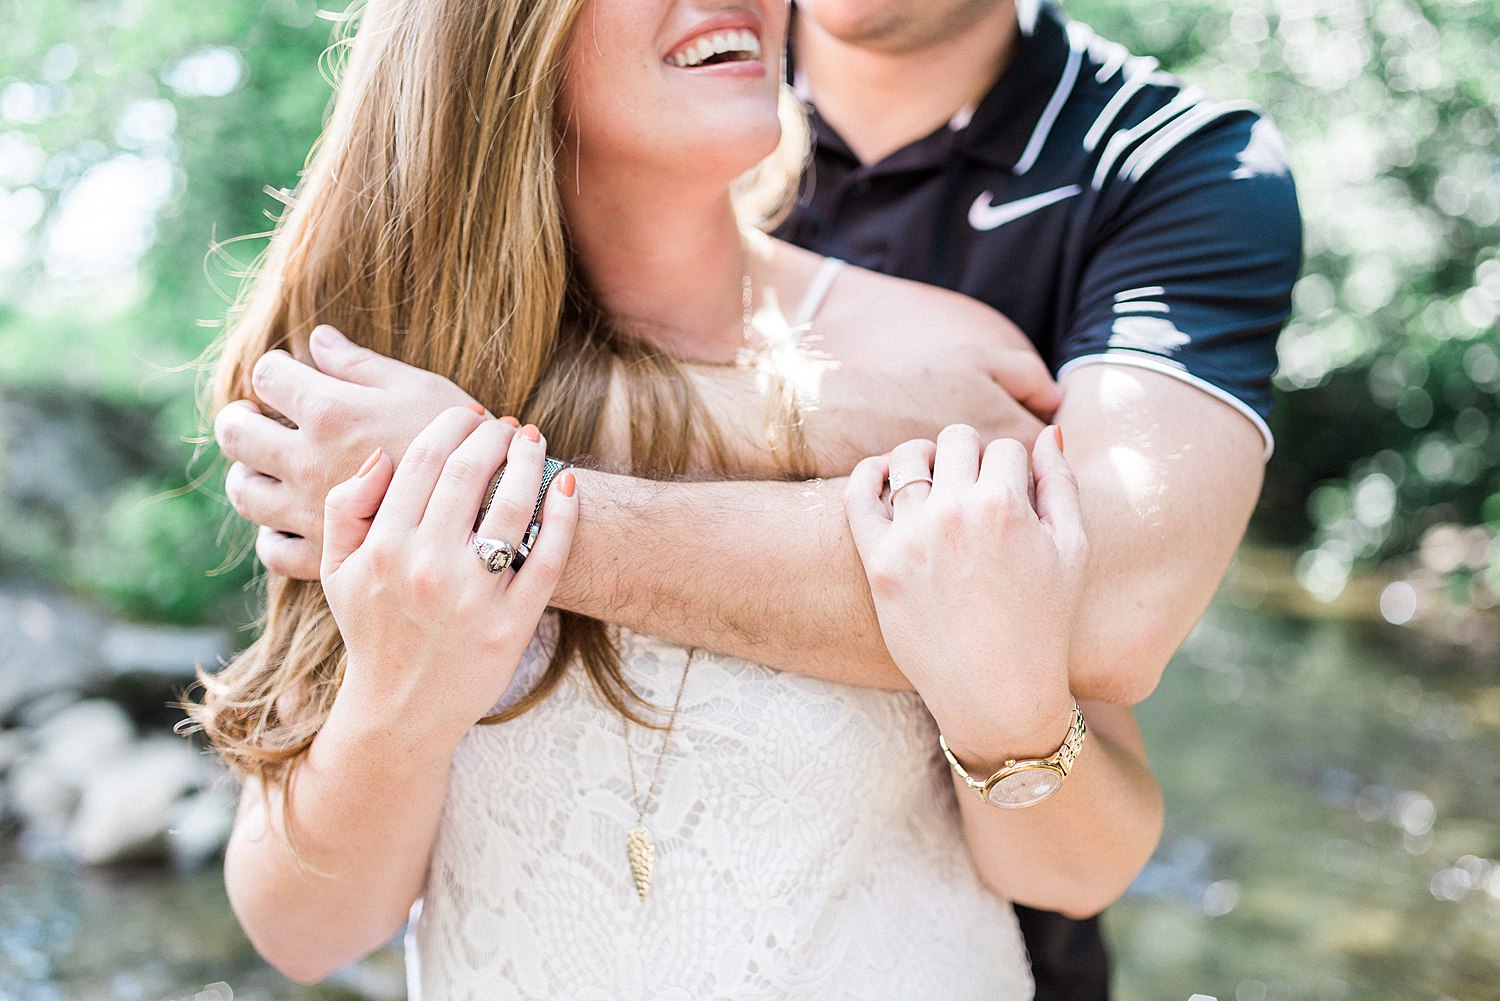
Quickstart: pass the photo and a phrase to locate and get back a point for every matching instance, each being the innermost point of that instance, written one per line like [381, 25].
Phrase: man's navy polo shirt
[1114, 214]
[1110, 211]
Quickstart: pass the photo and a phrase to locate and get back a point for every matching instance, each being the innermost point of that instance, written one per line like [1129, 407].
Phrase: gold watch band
[1060, 762]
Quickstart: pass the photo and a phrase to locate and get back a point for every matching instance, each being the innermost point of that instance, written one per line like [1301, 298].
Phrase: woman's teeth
[732, 46]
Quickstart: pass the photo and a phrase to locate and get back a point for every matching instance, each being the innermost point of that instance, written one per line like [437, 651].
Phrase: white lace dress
[807, 846]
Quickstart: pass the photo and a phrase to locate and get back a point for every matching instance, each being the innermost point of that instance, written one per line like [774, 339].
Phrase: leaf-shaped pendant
[641, 848]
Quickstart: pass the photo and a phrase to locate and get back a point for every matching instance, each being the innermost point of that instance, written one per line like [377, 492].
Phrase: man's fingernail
[531, 433]
[369, 464]
[567, 483]
[328, 335]
[511, 421]
[1057, 431]
[478, 408]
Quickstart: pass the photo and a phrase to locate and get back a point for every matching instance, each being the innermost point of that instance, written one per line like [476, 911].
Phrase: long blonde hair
[428, 226]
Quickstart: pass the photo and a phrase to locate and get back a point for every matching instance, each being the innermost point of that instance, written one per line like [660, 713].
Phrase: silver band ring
[900, 482]
[497, 554]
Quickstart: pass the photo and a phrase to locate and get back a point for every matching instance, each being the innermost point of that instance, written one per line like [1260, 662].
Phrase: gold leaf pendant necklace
[640, 846]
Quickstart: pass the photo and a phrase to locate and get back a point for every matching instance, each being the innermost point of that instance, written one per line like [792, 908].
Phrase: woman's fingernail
[567, 483]
[531, 433]
[369, 464]
[511, 421]
[1057, 430]
[478, 408]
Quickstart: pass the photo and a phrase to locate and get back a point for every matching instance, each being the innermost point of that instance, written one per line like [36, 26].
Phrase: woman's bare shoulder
[863, 297]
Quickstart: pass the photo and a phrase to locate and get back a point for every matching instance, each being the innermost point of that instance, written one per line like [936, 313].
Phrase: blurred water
[1333, 833]
[143, 935]
[1333, 819]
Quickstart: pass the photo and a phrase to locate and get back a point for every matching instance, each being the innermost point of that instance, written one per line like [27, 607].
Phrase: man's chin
[897, 26]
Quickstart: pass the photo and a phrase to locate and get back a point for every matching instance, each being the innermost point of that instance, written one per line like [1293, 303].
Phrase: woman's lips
[721, 45]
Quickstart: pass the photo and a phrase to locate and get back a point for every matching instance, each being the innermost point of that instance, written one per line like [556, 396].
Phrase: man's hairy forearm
[768, 571]
[761, 570]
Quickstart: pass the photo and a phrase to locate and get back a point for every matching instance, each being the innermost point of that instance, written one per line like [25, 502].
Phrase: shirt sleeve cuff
[1155, 364]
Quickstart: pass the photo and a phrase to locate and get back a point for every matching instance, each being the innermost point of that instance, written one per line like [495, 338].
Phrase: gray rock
[170, 650]
[82, 738]
[42, 803]
[201, 824]
[48, 643]
[13, 744]
[128, 805]
[67, 749]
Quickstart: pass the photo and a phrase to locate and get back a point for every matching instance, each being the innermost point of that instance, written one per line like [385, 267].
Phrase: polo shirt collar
[1004, 124]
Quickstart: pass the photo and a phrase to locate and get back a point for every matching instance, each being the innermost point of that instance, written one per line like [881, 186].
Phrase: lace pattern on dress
[808, 846]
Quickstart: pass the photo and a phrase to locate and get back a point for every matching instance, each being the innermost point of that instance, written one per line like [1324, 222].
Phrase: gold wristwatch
[1025, 783]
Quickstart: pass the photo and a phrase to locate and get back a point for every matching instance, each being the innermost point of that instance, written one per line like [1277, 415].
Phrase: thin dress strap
[817, 292]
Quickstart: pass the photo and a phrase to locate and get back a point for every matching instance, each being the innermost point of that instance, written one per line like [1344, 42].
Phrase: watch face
[1026, 786]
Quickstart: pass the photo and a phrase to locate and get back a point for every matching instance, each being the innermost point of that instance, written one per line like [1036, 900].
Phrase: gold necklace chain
[640, 846]
[746, 293]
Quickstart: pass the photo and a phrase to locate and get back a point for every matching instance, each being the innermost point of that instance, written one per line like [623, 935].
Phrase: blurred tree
[132, 135]
[1388, 421]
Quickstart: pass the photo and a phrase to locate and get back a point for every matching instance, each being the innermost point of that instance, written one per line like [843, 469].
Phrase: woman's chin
[723, 149]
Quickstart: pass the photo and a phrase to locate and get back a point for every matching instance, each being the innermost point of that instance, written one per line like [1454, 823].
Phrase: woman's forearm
[1077, 852]
[366, 801]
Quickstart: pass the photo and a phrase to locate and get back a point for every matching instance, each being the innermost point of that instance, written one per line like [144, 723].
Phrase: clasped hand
[433, 637]
[352, 400]
[976, 578]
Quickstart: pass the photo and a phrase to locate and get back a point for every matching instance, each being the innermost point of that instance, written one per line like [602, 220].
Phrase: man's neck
[666, 259]
[879, 101]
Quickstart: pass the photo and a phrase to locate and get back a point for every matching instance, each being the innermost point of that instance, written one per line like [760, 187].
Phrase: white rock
[44, 804]
[83, 738]
[174, 651]
[128, 805]
[12, 746]
[201, 824]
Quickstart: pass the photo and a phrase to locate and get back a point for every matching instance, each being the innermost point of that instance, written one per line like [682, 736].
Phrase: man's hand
[946, 360]
[353, 402]
[874, 400]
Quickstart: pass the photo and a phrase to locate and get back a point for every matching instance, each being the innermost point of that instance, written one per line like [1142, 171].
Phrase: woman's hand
[989, 658]
[433, 637]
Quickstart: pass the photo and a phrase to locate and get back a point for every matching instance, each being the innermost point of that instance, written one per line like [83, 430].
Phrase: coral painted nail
[369, 464]
[531, 433]
[511, 421]
[478, 408]
[567, 483]
[1057, 430]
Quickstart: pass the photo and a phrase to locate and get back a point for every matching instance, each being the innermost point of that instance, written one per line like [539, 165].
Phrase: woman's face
[675, 85]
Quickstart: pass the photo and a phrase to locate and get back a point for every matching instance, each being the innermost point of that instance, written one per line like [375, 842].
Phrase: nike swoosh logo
[985, 216]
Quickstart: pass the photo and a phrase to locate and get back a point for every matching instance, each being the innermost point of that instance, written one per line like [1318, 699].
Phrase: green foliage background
[1390, 370]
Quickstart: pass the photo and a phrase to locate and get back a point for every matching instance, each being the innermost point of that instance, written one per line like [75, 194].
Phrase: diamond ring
[900, 481]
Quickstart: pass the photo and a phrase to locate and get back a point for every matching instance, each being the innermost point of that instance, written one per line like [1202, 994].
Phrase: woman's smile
[735, 43]
[691, 88]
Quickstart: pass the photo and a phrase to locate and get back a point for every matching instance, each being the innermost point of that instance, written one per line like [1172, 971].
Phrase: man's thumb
[1027, 379]
[338, 356]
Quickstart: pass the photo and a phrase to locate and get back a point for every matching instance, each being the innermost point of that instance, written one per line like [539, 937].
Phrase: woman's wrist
[983, 745]
[399, 721]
